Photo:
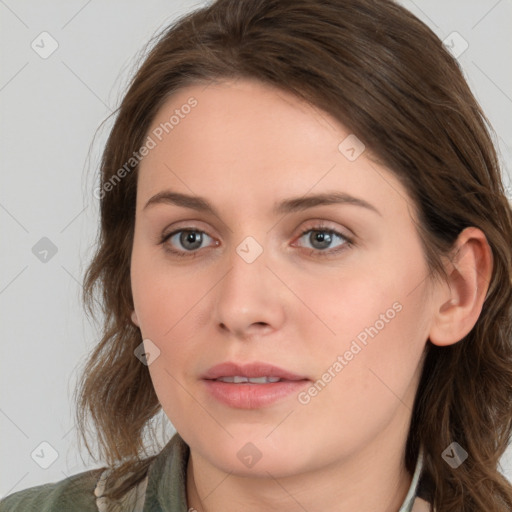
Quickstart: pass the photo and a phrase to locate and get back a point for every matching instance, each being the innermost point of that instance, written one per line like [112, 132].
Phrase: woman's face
[307, 259]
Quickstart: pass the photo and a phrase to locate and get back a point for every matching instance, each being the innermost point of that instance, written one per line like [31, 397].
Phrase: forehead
[231, 118]
[246, 139]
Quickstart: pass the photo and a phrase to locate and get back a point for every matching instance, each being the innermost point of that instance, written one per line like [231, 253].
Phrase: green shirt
[163, 489]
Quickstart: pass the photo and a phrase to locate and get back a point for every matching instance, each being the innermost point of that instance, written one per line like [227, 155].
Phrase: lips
[254, 370]
[251, 386]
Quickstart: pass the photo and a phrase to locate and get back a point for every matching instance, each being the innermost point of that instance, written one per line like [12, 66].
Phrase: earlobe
[135, 320]
[460, 301]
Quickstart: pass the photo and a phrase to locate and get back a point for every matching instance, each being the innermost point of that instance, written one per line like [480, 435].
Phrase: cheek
[166, 301]
[378, 318]
[366, 375]
[163, 296]
[363, 303]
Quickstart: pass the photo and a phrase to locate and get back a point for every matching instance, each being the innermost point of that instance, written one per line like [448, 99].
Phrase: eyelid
[318, 225]
[186, 225]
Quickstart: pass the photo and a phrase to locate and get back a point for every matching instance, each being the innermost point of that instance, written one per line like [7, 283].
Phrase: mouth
[251, 386]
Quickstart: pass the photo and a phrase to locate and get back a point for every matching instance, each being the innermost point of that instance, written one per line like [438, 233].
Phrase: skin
[244, 147]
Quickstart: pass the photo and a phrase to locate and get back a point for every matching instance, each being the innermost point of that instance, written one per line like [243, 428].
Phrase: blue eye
[321, 240]
[189, 239]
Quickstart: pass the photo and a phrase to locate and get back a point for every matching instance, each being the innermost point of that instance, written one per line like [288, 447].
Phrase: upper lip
[255, 369]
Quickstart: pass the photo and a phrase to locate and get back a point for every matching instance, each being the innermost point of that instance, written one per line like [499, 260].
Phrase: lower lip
[253, 396]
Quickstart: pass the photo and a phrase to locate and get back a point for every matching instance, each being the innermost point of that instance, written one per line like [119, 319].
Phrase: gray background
[50, 110]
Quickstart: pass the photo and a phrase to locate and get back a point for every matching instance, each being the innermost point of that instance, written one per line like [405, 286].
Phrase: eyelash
[348, 241]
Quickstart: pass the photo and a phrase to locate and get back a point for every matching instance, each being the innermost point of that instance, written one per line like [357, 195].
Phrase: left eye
[321, 239]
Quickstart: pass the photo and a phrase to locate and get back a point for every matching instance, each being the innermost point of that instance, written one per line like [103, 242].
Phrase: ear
[459, 302]
[135, 320]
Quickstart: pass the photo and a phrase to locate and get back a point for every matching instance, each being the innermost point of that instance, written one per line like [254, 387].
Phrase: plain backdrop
[51, 107]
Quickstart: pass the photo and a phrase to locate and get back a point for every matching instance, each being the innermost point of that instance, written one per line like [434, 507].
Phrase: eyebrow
[284, 207]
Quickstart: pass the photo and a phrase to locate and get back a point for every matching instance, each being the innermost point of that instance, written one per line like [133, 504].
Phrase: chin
[254, 456]
[276, 464]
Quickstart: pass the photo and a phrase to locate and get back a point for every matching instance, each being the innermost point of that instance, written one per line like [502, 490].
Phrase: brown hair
[388, 78]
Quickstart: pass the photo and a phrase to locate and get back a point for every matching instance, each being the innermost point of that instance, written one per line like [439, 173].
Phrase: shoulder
[73, 493]
[162, 486]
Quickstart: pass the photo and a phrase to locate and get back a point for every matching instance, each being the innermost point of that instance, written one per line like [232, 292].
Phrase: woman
[305, 261]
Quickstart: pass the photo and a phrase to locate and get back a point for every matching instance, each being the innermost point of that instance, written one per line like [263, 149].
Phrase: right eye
[188, 240]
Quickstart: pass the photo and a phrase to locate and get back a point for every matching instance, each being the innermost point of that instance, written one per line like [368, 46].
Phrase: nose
[250, 299]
